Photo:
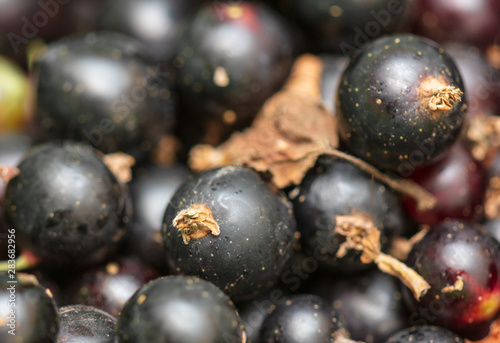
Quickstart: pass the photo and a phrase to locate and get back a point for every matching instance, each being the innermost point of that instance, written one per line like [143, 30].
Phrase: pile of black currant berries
[205, 171]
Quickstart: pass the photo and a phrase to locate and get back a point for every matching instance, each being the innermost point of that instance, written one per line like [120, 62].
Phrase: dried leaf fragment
[362, 235]
[195, 222]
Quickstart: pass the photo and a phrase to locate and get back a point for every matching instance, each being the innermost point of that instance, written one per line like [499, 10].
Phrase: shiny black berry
[179, 309]
[157, 23]
[232, 228]
[425, 334]
[332, 188]
[104, 89]
[80, 323]
[369, 304]
[301, 318]
[27, 310]
[400, 103]
[108, 287]
[232, 58]
[343, 26]
[151, 189]
[66, 207]
[462, 264]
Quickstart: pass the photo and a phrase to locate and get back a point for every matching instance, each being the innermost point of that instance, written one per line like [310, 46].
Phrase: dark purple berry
[301, 318]
[179, 309]
[232, 58]
[230, 227]
[369, 304]
[400, 103]
[425, 334]
[334, 187]
[27, 311]
[66, 207]
[110, 286]
[104, 89]
[462, 264]
[85, 324]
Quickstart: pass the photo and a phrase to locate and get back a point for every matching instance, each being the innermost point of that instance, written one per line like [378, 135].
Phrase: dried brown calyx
[362, 235]
[7, 173]
[195, 222]
[341, 336]
[120, 164]
[165, 153]
[457, 286]
[492, 198]
[289, 133]
[437, 95]
[401, 247]
[482, 136]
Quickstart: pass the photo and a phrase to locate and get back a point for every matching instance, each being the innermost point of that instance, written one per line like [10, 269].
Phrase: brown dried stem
[195, 222]
[121, 165]
[457, 286]
[7, 173]
[401, 247]
[362, 235]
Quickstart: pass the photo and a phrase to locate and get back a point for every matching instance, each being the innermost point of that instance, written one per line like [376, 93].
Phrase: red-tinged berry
[462, 264]
[459, 184]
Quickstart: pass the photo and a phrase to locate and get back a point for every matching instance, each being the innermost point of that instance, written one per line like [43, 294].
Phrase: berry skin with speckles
[179, 309]
[461, 262]
[230, 227]
[301, 318]
[66, 206]
[108, 287]
[369, 304]
[400, 103]
[332, 188]
[102, 88]
[459, 184]
[151, 189]
[425, 334]
[80, 323]
[232, 58]
[35, 318]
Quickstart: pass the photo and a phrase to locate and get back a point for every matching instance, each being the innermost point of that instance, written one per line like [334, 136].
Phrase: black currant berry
[151, 189]
[108, 287]
[157, 23]
[400, 103]
[102, 88]
[301, 318]
[66, 207]
[179, 309]
[425, 334]
[332, 188]
[343, 26]
[369, 304]
[85, 324]
[333, 67]
[462, 264]
[27, 311]
[232, 58]
[228, 226]
[12, 149]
